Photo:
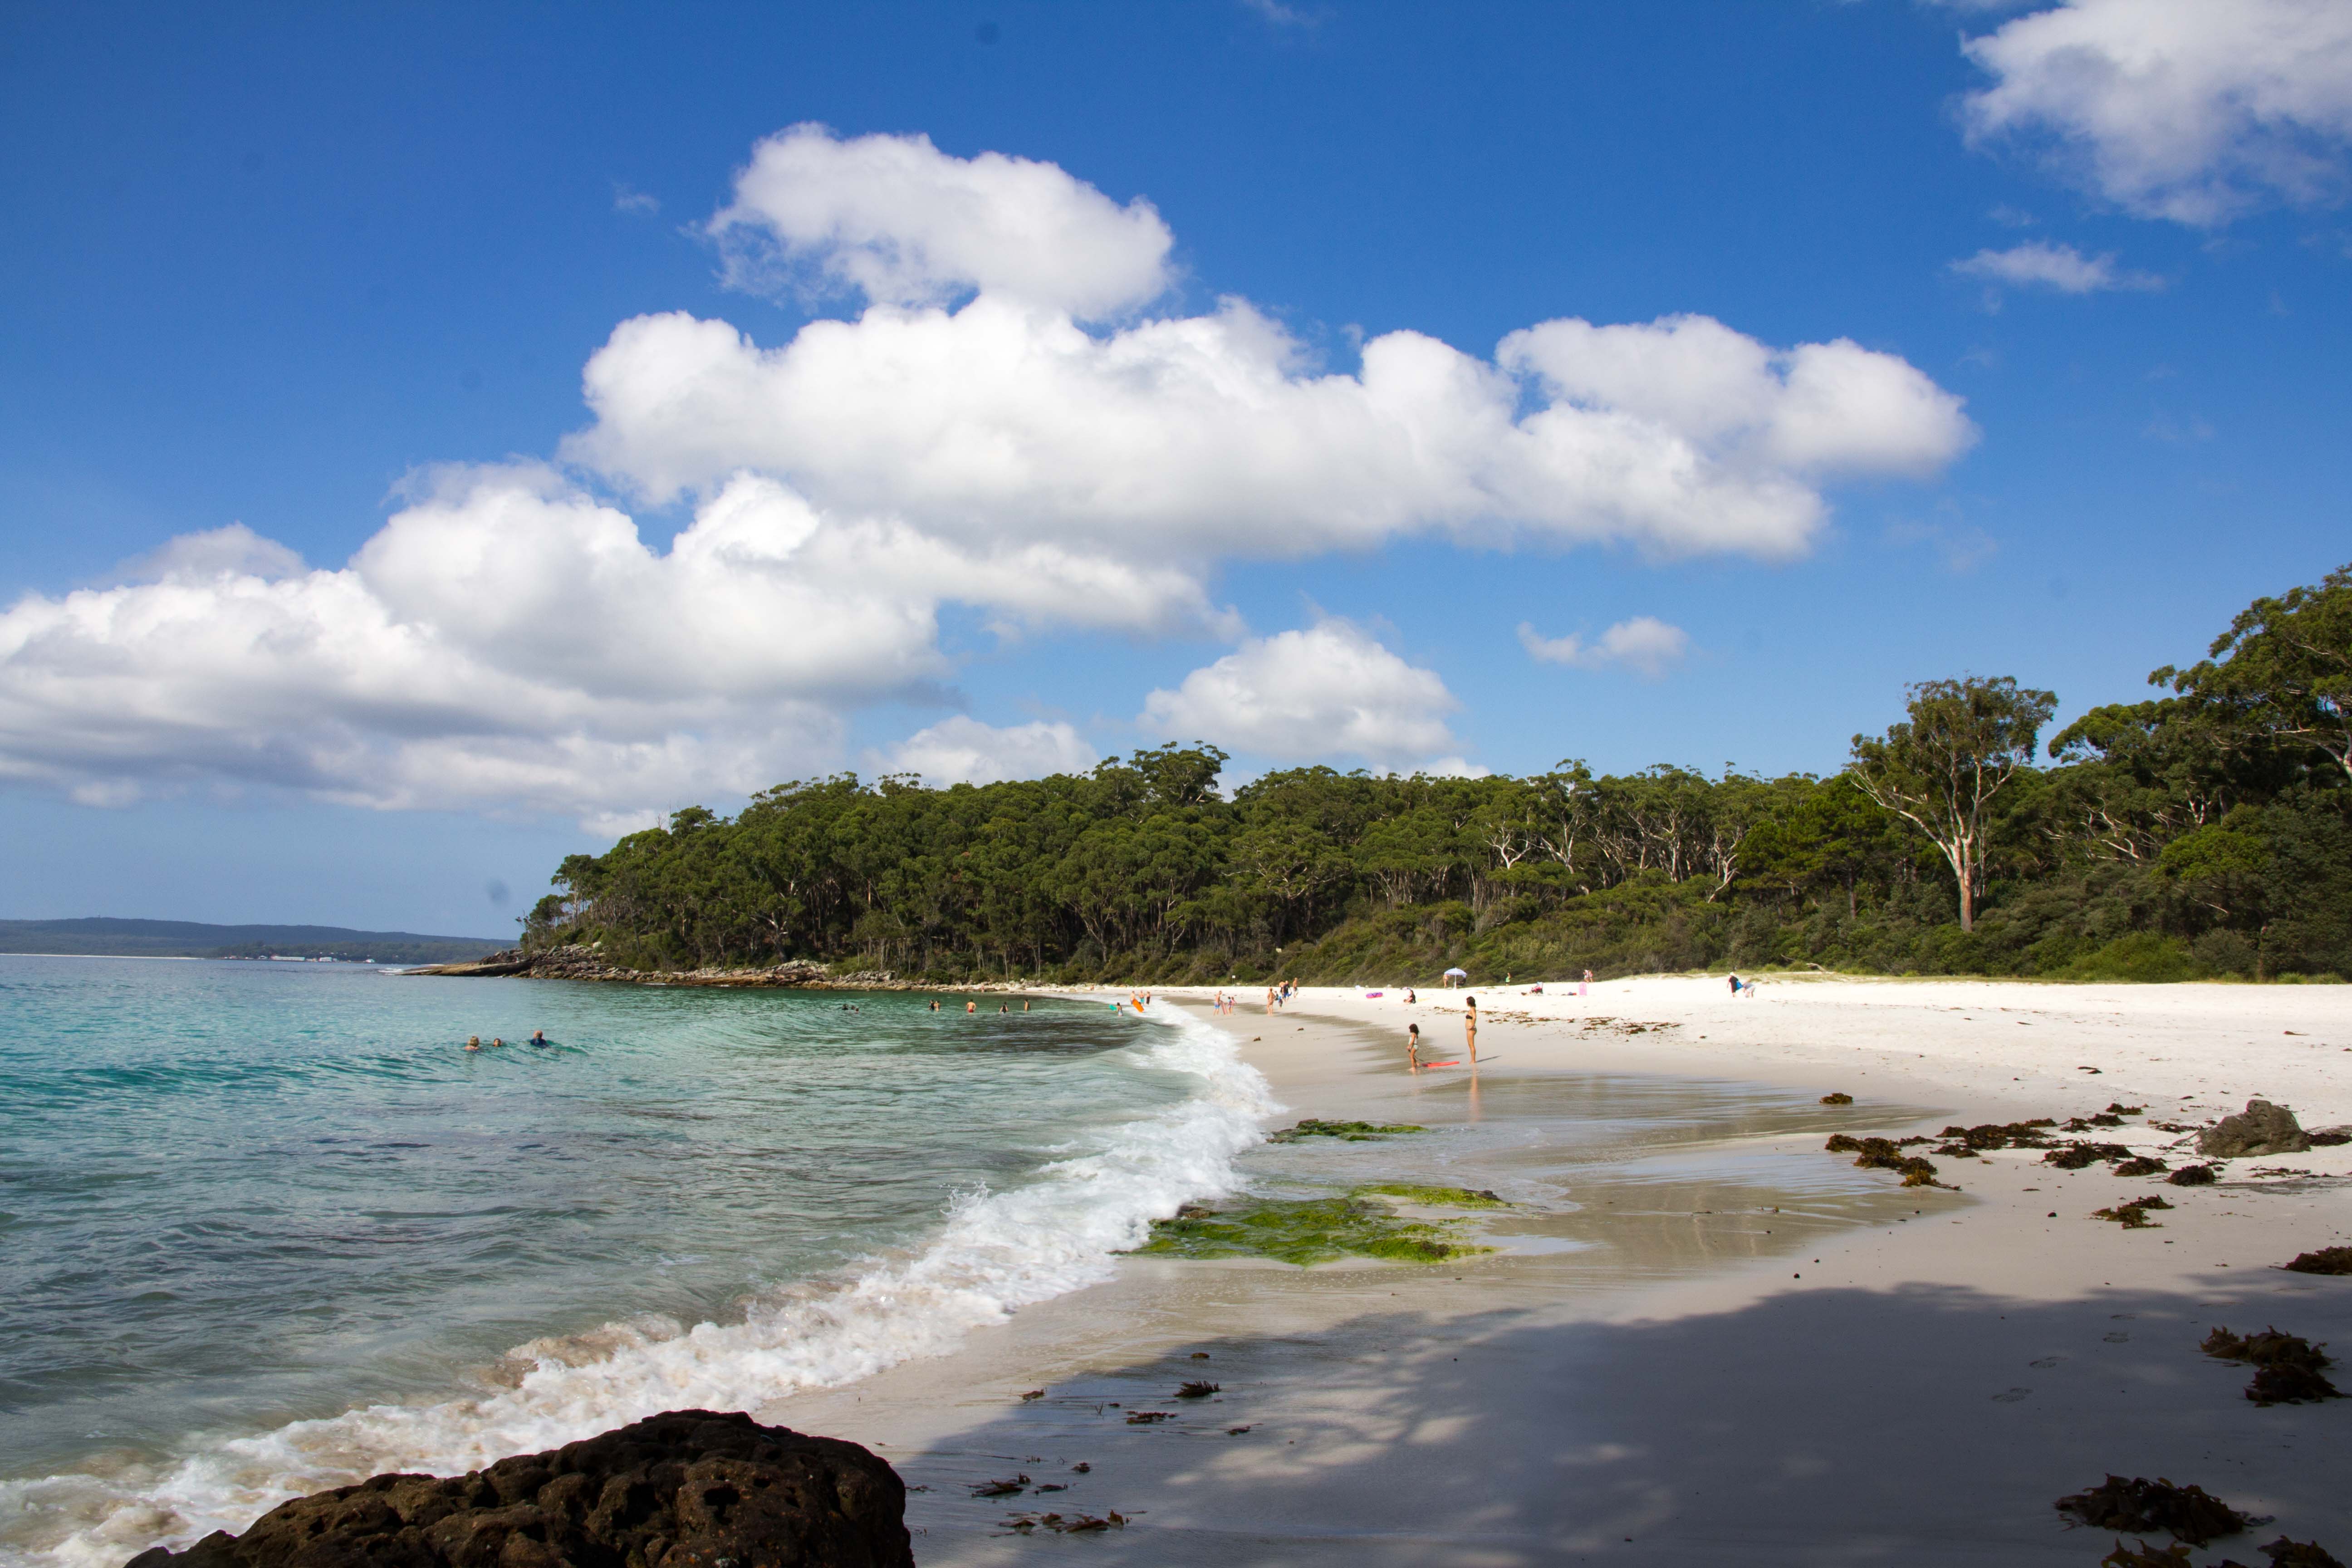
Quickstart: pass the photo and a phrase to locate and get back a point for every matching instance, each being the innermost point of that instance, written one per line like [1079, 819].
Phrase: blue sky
[285, 267]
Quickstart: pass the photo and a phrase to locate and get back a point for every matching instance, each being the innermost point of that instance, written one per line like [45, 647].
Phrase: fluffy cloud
[1192, 438]
[898, 220]
[964, 750]
[2195, 111]
[1300, 695]
[1644, 645]
[2041, 265]
[507, 641]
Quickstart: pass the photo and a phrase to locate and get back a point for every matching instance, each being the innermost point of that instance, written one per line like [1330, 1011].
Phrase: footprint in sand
[2011, 1397]
[2046, 1361]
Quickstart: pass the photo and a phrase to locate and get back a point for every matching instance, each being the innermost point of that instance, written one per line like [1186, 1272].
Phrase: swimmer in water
[971, 1007]
[473, 1042]
[496, 1041]
[539, 1036]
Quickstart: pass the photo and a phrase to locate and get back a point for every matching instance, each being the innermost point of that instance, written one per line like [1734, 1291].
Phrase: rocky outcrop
[691, 1489]
[2261, 1128]
[575, 962]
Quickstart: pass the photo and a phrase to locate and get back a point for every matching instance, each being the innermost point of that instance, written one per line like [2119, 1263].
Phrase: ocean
[268, 1227]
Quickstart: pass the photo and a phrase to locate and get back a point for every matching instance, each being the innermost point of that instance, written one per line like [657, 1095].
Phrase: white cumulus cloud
[902, 222]
[962, 750]
[1644, 645]
[1327, 691]
[507, 641]
[2196, 111]
[2041, 265]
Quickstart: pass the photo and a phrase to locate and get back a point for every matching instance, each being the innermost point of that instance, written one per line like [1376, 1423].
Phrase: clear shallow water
[264, 1227]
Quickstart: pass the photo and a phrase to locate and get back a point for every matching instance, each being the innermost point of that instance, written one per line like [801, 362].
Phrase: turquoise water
[276, 1211]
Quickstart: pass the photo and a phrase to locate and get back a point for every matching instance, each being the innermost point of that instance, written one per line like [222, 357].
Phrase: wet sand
[1704, 1339]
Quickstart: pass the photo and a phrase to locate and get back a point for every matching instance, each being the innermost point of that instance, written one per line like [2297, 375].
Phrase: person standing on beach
[1412, 1046]
[1470, 1028]
[1585, 986]
[1734, 985]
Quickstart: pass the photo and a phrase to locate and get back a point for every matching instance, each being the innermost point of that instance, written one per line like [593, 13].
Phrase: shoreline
[1917, 1387]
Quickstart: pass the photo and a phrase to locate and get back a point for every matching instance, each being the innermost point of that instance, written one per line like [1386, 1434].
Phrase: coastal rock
[2261, 1128]
[691, 1489]
[579, 961]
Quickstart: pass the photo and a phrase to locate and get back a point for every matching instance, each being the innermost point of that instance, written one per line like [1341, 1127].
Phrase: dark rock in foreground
[2261, 1128]
[691, 1489]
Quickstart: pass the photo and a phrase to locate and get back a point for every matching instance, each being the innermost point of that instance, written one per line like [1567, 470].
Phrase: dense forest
[2206, 832]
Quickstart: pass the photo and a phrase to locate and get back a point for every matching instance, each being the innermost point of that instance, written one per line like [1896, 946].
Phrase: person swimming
[538, 1037]
[473, 1042]
[496, 1041]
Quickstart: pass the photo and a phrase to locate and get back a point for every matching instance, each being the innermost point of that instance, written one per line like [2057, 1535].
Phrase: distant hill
[191, 939]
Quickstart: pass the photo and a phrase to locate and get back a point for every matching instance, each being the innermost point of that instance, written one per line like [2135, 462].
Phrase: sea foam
[994, 1253]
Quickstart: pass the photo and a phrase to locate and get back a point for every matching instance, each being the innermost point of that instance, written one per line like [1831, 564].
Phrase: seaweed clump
[2075, 1156]
[2001, 1135]
[2146, 1556]
[2285, 1553]
[2326, 1261]
[1886, 1154]
[2139, 1505]
[1067, 1524]
[2133, 1216]
[1305, 1231]
[2192, 1177]
[1350, 1131]
[1838, 1098]
[2141, 1165]
[2287, 1367]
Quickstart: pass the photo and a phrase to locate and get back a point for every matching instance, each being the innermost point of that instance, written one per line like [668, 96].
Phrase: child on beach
[1413, 1047]
[1470, 1028]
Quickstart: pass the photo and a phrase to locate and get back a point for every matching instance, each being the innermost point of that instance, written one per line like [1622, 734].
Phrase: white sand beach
[1710, 1342]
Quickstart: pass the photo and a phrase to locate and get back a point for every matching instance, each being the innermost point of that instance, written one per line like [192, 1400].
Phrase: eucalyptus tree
[1939, 769]
[2284, 669]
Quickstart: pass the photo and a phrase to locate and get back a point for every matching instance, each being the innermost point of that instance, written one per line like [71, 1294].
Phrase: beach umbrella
[1457, 974]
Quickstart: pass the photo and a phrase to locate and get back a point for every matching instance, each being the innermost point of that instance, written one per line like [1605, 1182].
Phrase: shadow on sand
[1915, 1427]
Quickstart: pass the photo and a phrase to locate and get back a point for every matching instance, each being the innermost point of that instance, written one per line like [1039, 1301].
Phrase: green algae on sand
[1349, 1131]
[1306, 1231]
[1433, 1197]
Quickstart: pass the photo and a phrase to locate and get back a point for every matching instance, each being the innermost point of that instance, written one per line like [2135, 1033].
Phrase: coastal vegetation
[2205, 832]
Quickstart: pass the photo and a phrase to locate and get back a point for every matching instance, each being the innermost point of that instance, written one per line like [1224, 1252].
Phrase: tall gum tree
[2283, 670]
[1939, 769]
